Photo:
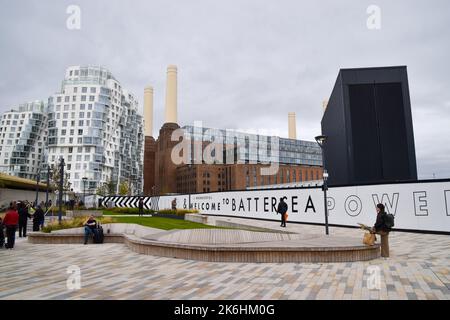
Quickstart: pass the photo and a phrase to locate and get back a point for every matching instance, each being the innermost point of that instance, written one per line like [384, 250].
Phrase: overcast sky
[241, 64]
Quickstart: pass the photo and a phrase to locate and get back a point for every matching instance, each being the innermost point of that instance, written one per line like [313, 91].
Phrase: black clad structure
[369, 127]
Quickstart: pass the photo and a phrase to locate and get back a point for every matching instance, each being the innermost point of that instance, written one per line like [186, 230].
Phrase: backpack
[389, 221]
[99, 236]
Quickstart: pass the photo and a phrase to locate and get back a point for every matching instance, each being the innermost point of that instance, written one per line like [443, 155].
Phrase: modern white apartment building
[95, 125]
[23, 139]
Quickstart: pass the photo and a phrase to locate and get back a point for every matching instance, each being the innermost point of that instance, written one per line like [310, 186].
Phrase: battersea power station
[239, 160]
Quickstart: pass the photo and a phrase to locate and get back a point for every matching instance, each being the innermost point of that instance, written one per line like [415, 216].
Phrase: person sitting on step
[90, 227]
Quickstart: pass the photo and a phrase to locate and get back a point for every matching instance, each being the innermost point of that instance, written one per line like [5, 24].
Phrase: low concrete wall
[227, 224]
[193, 217]
[144, 240]
[50, 238]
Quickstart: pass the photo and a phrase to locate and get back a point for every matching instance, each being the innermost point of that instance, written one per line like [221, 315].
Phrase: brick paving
[419, 268]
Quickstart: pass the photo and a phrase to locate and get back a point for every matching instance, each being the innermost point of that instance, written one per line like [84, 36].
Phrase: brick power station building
[243, 156]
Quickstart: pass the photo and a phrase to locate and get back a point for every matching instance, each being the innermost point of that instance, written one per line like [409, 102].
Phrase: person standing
[382, 229]
[38, 218]
[2, 235]
[282, 209]
[174, 204]
[24, 215]
[141, 207]
[10, 222]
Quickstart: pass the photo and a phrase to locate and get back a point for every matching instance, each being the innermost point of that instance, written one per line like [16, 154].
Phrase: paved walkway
[419, 268]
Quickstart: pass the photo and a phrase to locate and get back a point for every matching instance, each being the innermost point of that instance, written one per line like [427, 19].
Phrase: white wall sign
[423, 206]
[416, 206]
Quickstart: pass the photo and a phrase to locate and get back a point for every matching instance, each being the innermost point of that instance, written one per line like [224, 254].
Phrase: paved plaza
[419, 268]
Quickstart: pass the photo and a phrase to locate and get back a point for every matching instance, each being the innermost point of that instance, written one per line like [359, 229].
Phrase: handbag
[286, 216]
[369, 239]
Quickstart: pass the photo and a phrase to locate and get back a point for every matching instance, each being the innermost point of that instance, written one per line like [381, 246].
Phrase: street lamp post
[321, 140]
[38, 178]
[48, 183]
[61, 184]
[84, 190]
[189, 184]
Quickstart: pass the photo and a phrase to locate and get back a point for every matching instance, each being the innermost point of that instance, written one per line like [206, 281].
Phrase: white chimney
[171, 95]
[325, 104]
[148, 111]
[292, 125]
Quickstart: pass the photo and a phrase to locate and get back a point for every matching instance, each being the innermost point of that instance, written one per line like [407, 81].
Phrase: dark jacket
[2, 235]
[38, 216]
[23, 214]
[282, 207]
[380, 224]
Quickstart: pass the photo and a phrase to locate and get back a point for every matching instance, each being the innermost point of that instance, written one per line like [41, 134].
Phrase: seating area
[223, 245]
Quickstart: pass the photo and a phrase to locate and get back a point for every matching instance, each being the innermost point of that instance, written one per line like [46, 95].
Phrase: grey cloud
[242, 64]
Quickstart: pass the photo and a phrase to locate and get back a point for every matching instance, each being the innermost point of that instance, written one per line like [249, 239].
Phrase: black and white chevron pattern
[131, 202]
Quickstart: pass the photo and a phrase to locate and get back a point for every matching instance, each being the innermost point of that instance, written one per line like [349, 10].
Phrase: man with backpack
[90, 227]
[383, 226]
[282, 209]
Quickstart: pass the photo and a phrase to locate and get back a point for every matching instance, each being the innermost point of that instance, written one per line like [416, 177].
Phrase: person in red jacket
[10, 222]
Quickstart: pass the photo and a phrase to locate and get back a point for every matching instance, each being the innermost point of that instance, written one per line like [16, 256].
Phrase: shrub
[127, 211]
[73, 223]
[178, 212]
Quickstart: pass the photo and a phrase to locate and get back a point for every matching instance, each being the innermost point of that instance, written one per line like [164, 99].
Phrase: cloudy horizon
[241, 64]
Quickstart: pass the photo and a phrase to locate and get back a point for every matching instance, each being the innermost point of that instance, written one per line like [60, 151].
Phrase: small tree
[55, 177]
[106, 189]
[102, 190]
[111, 188]
[123, 188]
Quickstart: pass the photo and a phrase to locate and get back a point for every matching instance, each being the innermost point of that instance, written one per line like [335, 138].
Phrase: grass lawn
[164, 223]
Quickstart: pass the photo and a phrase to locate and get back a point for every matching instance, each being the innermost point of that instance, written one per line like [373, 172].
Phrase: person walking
[10, 222]
[141, 207]
[24, 215]
[282, 209]
[382, 229]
